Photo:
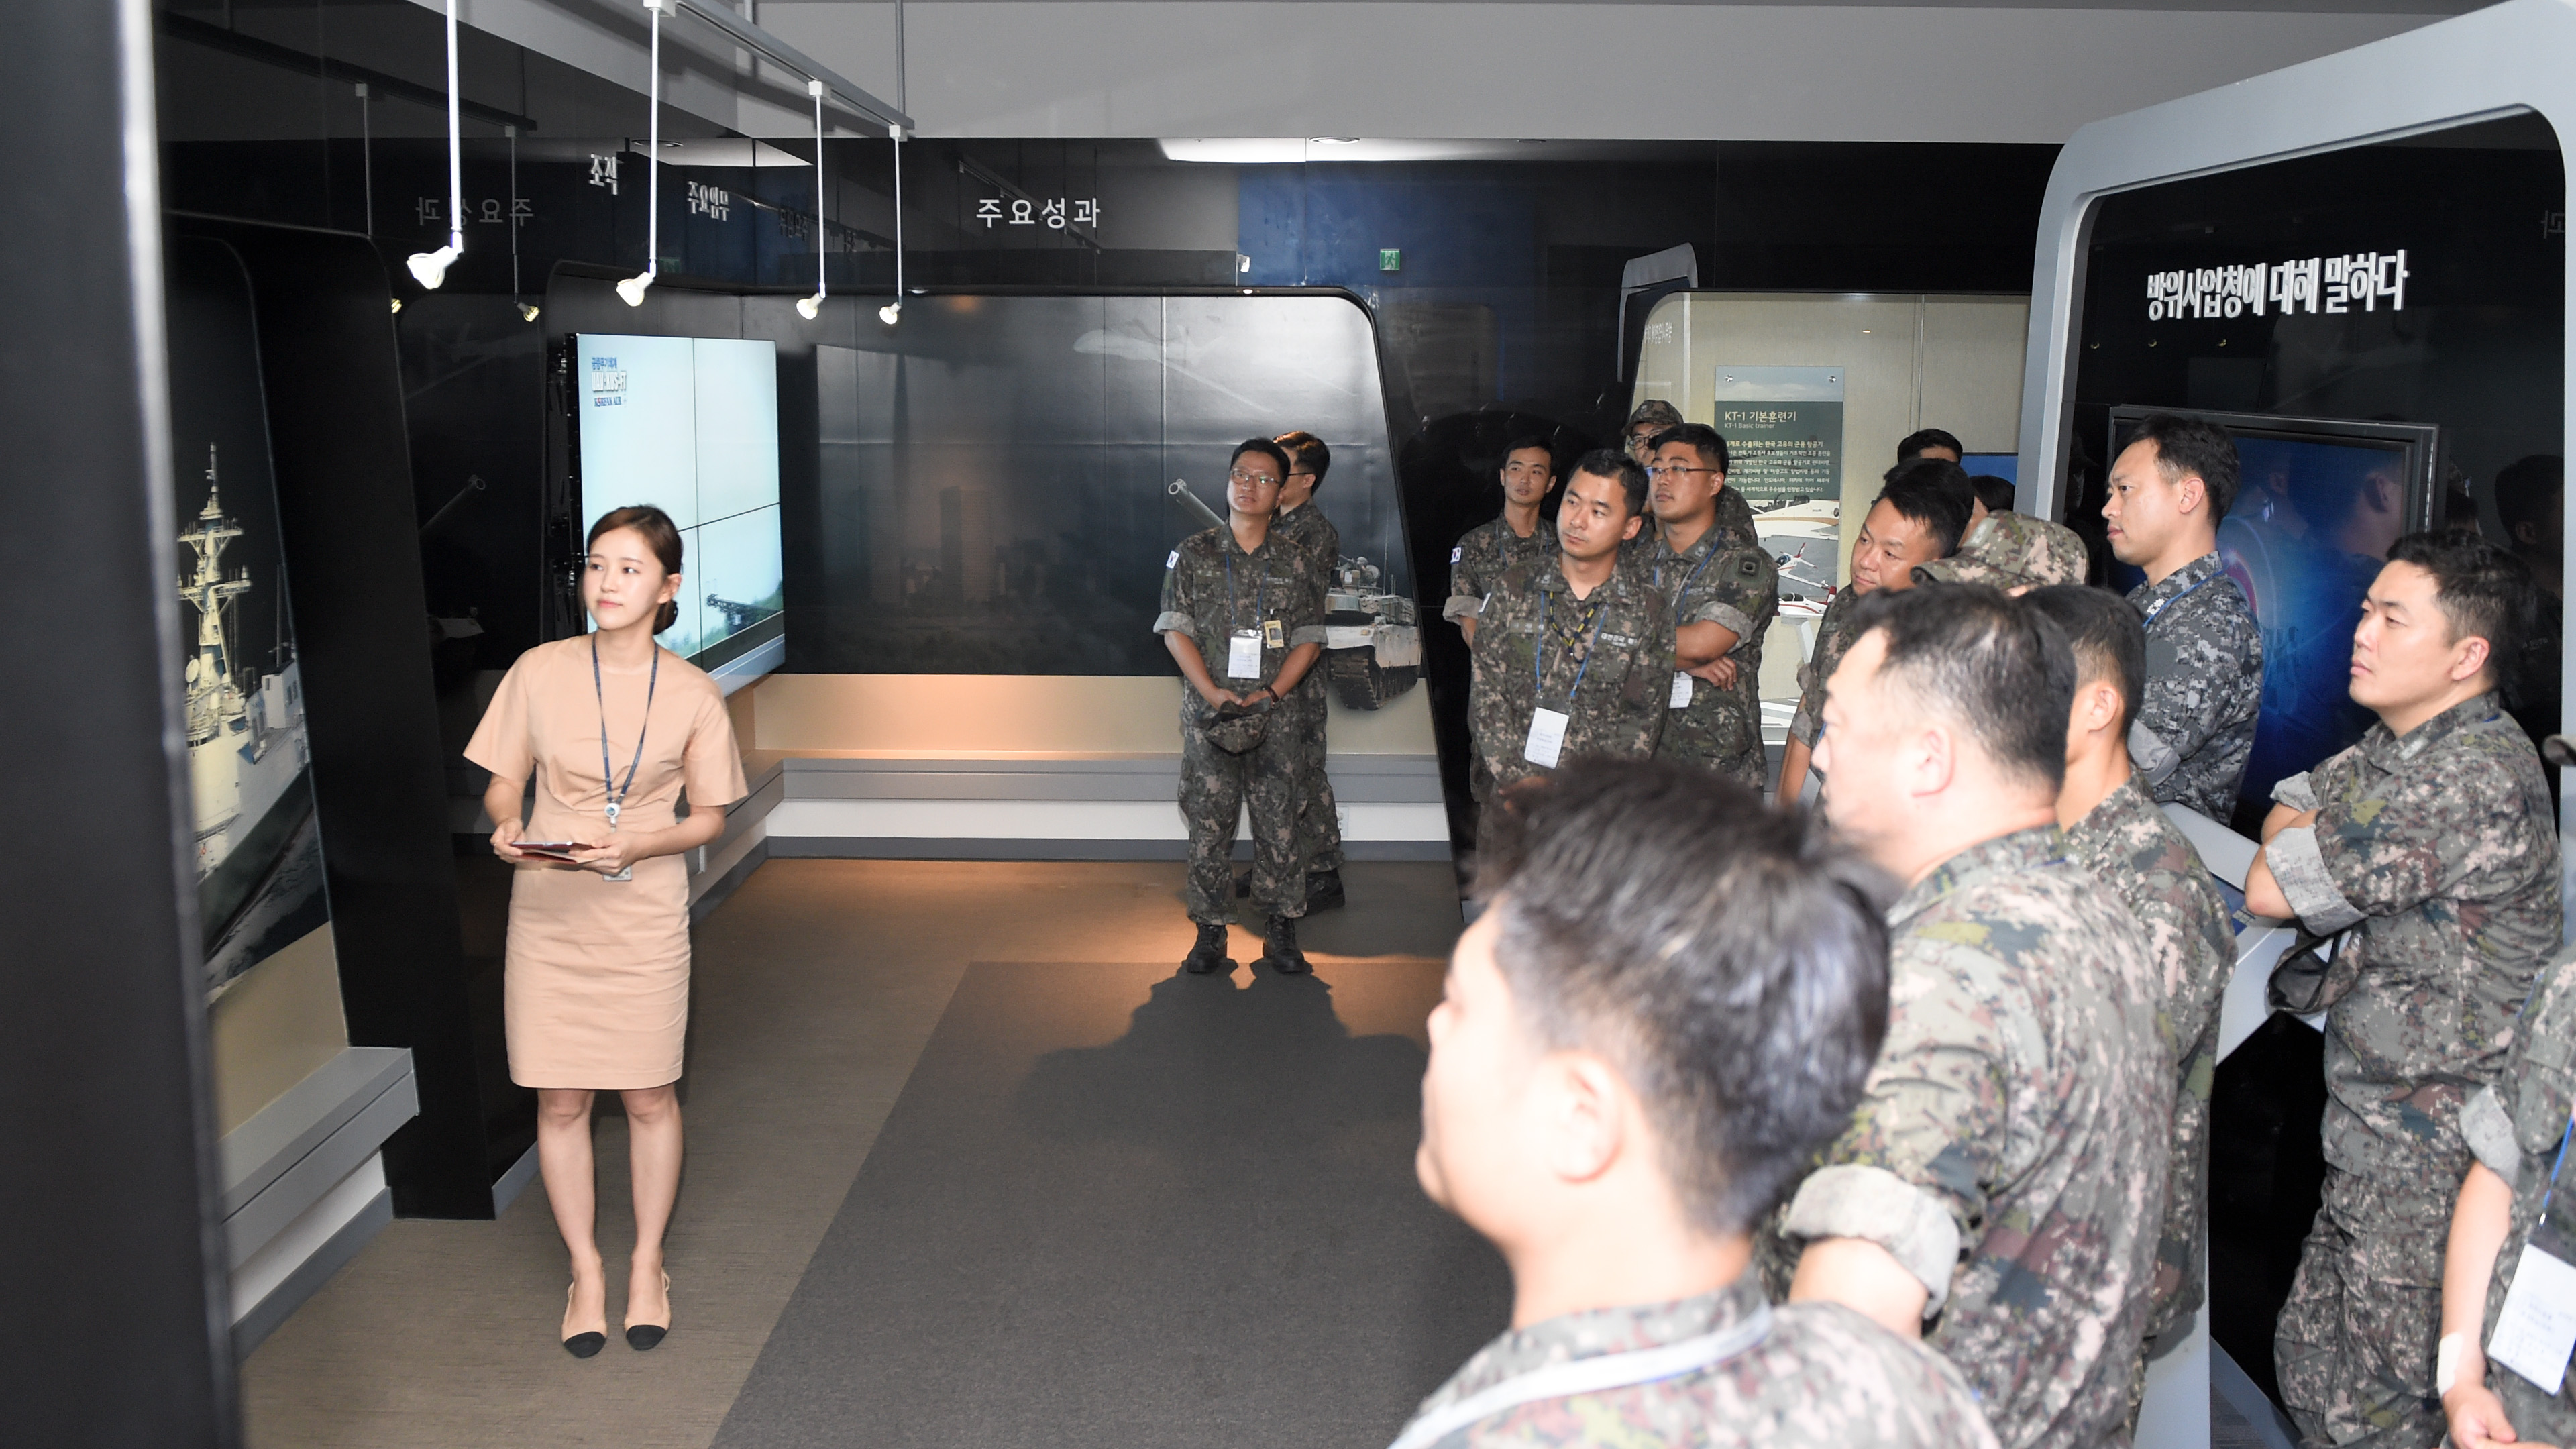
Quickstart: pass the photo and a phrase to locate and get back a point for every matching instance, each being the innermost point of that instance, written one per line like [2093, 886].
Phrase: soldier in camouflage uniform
[2129, 845]
[1301, 523]
[1486, 552]
[2170, 488]
[1244, 620]
[1914, 520]
[1575, 643]
[2005, 1169]
[1617, 938]
[2431, 840]
[2519, 1126]
[1723, 597]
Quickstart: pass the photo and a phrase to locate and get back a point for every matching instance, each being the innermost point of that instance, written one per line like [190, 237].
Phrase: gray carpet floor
[1119, 1206]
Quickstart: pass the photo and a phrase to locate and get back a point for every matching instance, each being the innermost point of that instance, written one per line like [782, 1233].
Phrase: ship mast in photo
[236, 769]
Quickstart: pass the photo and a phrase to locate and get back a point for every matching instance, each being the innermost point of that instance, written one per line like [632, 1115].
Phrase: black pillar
[114, 1331]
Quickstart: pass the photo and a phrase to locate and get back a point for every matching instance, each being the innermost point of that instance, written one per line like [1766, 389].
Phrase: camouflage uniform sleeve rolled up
[2436, 832]
[1739, 593]
[1301, 613]
[1926, 1136]
[1178, 614]
[2527, 1112]
[1475, 562]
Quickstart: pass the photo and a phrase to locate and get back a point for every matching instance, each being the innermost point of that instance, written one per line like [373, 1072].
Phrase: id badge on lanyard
[2536, 1329]
[1546, 737]
[1243, 654]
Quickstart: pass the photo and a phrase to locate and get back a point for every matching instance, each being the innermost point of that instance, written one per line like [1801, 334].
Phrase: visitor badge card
[1546, 737]
[1243, 655]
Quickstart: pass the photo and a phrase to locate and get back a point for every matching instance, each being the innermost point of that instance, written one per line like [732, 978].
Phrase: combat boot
[1279, 947]
[1324, 891]
[1209, 952]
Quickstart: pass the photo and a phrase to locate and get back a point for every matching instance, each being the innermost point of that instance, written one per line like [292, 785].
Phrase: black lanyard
[607, 771]
[1538, 654]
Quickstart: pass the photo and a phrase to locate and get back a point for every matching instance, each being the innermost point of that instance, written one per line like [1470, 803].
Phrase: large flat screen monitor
[2318, 502]
[690, 425]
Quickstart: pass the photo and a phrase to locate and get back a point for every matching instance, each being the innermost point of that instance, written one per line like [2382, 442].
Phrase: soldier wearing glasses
[1244, 619]
[1723, 591]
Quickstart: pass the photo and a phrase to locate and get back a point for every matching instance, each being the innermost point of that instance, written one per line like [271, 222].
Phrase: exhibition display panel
[690, 425]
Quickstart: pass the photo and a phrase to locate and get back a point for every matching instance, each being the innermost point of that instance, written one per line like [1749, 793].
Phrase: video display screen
[2316, 510]
[690, 425]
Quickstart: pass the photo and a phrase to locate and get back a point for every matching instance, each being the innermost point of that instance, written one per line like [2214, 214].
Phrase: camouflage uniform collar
[2127, 802]
[2182, 578]
[2011, 854]
[1552, 580]
[1228, 543]
[1709, 541]
[1596, 1332]
[2391, 752]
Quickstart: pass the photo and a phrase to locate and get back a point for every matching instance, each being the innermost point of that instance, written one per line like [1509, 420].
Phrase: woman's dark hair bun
[659, 533]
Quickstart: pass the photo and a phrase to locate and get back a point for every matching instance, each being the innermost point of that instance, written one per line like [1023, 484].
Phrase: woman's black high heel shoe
[641, 1336]
[582, 1345]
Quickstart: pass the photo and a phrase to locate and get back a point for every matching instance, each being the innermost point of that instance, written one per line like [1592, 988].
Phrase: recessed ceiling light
[1334, 140]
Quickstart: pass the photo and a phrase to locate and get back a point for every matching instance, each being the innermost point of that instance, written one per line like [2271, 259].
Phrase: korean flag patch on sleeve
[1457, 553]
[1174, 561]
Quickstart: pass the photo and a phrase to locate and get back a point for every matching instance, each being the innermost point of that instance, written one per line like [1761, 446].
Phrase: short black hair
[1700, 438]
[2106, 634]
[1528, 443]
[1611, 463]
[1921, 491]
[1996, 493]
[1916, 442]
[2485, 591]
[2525, 487]
[1306, 448]
[1265, 448]
[2185, 446]
[1732, 960]
[2003, 672]
[1653, 410]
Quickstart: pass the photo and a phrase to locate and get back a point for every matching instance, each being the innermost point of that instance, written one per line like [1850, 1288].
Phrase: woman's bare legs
[564, 1161]
[653, 1147]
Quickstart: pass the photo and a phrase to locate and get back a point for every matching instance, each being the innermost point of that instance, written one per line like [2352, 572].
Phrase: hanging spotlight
[528, 311]
[892, 312]
[812, 307]
[631, 291]
[430, 268]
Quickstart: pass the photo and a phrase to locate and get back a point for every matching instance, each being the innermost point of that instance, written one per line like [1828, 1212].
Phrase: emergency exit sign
[1390, 259]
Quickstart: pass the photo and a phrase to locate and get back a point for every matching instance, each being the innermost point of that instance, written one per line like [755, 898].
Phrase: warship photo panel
[258, 850]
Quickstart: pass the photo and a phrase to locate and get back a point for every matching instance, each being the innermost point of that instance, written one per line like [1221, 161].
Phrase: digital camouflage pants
[1319, 823]
[2354, 1350]
[1216, 788]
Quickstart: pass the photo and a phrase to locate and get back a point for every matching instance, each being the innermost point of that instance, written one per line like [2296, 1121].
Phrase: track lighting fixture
[892, 312]
[631, 291]
[812, 307]
[430, 268]
[528, 311]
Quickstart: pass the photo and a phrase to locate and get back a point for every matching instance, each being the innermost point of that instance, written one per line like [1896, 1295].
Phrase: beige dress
[596, 991]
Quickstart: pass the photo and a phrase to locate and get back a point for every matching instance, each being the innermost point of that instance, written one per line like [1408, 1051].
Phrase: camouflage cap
[2559, 750]
[1237, 731]
[1657, 411]
[2012, 551]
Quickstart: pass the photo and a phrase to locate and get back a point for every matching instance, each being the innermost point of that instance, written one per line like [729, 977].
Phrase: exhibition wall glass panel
[2413, 288]
[993, 476]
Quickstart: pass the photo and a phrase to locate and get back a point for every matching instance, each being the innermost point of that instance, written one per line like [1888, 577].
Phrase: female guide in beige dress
[596, 991]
